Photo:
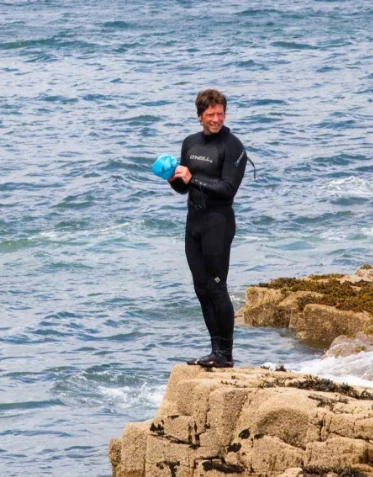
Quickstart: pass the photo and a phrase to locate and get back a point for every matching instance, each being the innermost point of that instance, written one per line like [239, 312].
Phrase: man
[211, 169]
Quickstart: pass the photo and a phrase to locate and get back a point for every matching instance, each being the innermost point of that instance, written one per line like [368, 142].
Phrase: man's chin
[215, 129]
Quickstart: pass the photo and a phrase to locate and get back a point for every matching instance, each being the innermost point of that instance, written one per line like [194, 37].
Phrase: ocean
[97, 303]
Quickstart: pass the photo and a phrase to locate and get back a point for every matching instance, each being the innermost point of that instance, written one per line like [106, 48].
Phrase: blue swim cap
[165, 166]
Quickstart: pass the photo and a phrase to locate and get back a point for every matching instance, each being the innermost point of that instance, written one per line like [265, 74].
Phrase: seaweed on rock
[315, 471]
[314, 383]
[346, 296]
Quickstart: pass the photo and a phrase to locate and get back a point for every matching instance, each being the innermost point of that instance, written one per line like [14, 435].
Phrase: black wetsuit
[217, 163]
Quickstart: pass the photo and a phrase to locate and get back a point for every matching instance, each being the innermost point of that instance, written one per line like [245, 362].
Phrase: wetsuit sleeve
[232, 173]
[178, 185]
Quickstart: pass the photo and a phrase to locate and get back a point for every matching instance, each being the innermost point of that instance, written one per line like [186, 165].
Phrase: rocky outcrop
[349, 345]
[249, 422]
[319, 308]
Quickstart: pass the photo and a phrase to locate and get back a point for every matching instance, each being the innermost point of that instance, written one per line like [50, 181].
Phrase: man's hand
[183, 173]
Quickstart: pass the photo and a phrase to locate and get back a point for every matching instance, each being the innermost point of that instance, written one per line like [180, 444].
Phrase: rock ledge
[250, 422]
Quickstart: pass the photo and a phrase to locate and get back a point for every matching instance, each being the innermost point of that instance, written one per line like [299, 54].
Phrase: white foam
[128, 397]
[367, 231]
[335, 235]
[270, 366]
[253, 238]
[351, 187]
[355, 369]
[73, 234]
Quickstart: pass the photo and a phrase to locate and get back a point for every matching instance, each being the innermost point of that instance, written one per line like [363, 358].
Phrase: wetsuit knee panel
[216, 286]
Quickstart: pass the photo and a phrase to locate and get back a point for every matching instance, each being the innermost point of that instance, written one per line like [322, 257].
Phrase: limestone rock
[115, 456]
[323, 323]
[292, 472]
[262, 308]
[364, 273]
[248, 422]
[290, 306]
[347, 345]
[298, 304]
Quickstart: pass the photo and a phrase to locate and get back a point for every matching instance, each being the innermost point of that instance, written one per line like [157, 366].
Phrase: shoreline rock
[250, 422]
[319, 308]
[347, 346]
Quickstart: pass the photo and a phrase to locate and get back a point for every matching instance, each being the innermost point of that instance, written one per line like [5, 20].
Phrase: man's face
[212, 119]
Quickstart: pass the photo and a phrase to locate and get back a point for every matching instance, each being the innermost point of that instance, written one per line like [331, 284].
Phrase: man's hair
[209, 97]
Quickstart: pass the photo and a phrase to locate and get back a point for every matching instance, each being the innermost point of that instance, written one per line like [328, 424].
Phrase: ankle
[226, 347]
[215, 344]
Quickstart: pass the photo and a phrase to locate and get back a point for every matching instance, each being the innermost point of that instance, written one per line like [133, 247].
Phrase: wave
[292, 45]
[98, 387]
[117, 25]
[351, 186]
[53, 43]
[30, 404]
[355, 370]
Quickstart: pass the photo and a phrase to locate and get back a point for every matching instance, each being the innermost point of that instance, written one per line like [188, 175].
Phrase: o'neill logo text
[200, 158]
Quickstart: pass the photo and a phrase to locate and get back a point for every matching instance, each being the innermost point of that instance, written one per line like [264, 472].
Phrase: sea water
[97, 303]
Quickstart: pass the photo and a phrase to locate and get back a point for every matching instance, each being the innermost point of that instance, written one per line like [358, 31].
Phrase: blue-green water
[96, 298]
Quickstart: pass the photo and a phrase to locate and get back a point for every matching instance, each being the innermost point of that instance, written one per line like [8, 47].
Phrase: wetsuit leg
[219, 231]
[197, 267]
[209, 236]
